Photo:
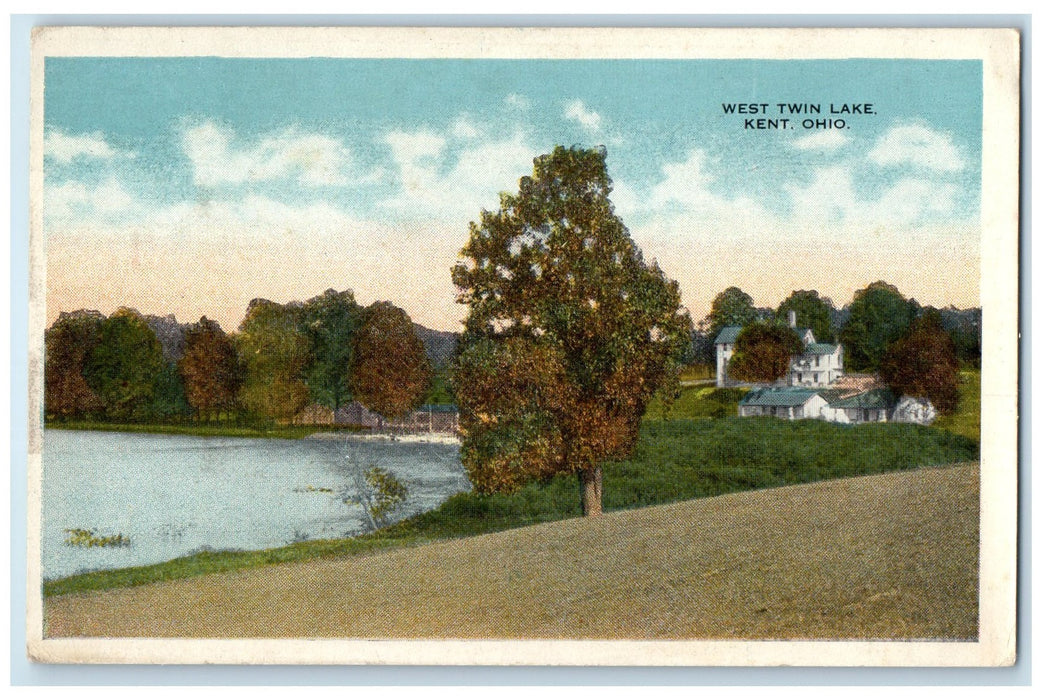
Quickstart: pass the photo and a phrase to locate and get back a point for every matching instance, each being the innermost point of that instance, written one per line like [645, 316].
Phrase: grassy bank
[290, 432]
[675, 460]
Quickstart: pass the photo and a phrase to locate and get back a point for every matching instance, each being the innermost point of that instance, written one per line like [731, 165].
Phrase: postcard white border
[998, 49]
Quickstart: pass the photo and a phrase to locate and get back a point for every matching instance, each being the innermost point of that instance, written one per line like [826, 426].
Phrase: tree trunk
[590, 486]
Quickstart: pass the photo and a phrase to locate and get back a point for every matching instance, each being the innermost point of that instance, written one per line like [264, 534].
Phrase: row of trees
[878, 316]
[327, 350]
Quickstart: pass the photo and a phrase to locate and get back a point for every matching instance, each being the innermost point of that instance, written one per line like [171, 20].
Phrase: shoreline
[437, 438]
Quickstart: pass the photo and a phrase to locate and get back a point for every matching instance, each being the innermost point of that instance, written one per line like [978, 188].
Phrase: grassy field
[681, 458]
[890, 556]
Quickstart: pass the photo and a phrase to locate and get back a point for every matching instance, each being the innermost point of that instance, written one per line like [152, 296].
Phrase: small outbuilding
[792, 403]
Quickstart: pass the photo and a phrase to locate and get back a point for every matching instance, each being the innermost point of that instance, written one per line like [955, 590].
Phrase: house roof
[787, 396]
[876, 398]
[727, 335]
[819, 349]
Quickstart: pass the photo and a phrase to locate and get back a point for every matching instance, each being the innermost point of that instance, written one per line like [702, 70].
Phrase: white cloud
[828, 140]
[463, 128]
[829, 196]
[313, 160]
[577, 111]
[682, 180]
[64, 148]
[917, 145]
[440, 181]
[518, 101]
[76, 198]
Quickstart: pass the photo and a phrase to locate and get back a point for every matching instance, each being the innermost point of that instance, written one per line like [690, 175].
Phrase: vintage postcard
[524, 346]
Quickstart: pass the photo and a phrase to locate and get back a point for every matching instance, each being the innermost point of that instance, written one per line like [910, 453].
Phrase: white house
[792, 403]
[819, 365]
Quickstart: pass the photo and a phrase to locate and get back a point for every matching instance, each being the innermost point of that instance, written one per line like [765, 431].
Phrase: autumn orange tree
[569, 332]
[209, 368]
[923, 364]
[763, 352]
[390, 372]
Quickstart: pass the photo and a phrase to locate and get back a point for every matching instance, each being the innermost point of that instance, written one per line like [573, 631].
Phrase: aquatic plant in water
[78, 537]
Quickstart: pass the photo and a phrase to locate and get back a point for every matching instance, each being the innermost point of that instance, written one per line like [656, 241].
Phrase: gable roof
[876, 398]
[819, 349]
[787, 396]
[727, 335]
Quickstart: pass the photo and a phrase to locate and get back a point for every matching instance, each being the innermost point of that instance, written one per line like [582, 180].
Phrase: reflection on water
[175, 494]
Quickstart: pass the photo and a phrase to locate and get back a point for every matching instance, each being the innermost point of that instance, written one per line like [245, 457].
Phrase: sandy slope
[891, 556]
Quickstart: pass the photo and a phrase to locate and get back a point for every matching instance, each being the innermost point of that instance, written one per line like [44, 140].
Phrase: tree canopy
[68, 343]
[210, 368]
[763, 352]
[390, 372]
[923, 364]
[812, 311]
[731, 307]
[879, 315]
[569, 331]
[125, 367]
[275, 356]
[330, 321]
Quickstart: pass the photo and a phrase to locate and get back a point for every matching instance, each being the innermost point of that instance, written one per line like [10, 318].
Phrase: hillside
[891, 556]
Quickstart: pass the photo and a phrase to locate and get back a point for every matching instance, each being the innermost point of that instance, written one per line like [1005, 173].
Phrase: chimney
[792, 319]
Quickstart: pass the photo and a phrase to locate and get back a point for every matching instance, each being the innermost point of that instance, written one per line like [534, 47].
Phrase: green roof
[787, 396]
[728, 334]
[819, 349]
[876, 398]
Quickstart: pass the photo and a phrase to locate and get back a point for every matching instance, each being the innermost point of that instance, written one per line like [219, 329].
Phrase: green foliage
[879, 315]
[68, 343]
[966, 419]
[731, 307]
[923, 363]
[330, 322]
[812, 311]
[390, 372]
[569, 332]
[698, 402]
[440, 391]
[275, 357]
[388, 494]
[126, 368]
[77, 537]
[763, 352]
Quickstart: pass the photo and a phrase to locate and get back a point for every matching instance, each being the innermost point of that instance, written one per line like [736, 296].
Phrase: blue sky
[190, 186]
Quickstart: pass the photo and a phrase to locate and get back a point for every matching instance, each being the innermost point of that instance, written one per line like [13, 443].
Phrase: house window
[817, 360]
[815, 377]
[799, 376]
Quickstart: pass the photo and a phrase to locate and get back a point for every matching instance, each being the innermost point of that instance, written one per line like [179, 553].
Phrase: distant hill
[440, 345]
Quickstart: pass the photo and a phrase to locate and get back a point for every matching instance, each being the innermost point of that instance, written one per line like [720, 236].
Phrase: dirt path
[891, 556]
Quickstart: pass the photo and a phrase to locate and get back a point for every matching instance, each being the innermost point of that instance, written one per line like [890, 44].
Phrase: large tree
[210, 368]
[569, 331]
[731, 307]
[68, 343]
[330, 321]
[126, 367]
[812, 311]
[275, 356]
[763, 352]
[879, 315]
[923, 364]
[390, 372]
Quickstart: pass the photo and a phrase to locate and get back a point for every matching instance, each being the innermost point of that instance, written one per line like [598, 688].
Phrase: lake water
[174, 494]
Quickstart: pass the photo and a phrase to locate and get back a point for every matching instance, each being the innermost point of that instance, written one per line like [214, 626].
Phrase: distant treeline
[327, 350]
[877, 317]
